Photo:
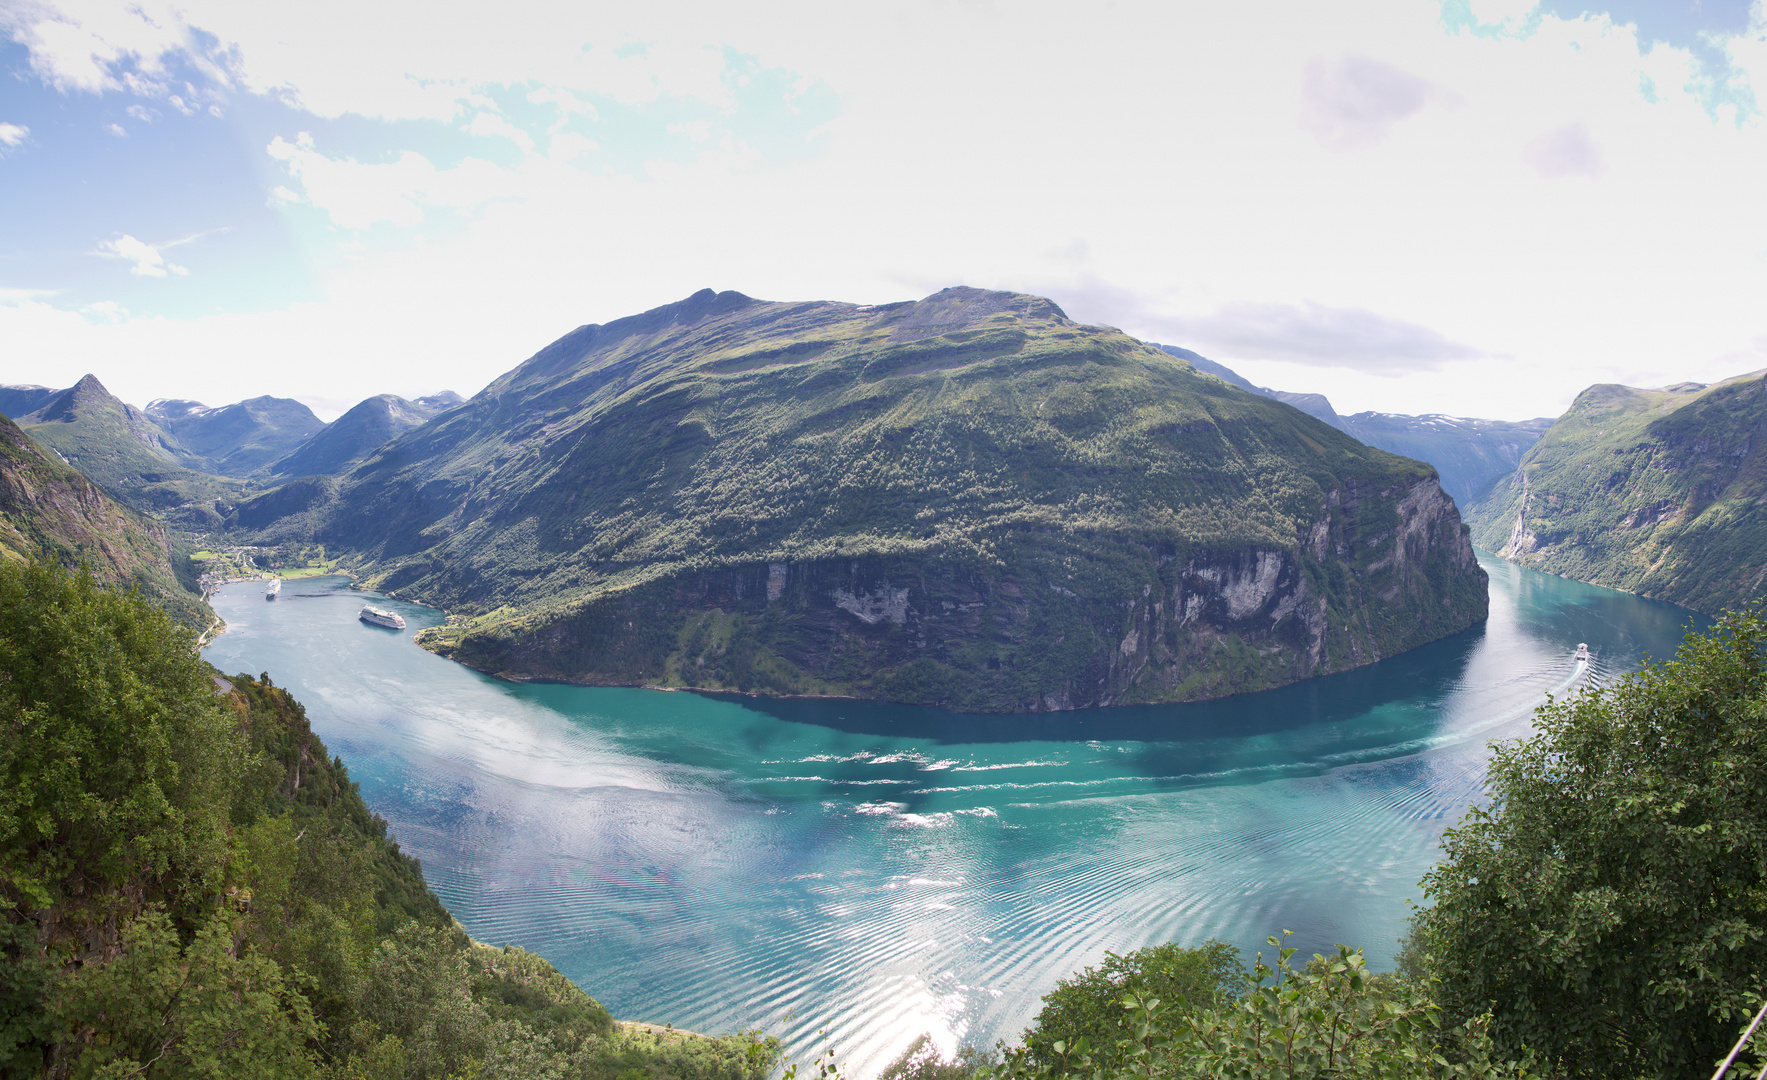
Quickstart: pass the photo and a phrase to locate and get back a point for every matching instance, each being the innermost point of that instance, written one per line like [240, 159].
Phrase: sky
[1475, 207]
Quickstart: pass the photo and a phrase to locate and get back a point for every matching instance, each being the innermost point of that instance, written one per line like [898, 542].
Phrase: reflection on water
[722, 862]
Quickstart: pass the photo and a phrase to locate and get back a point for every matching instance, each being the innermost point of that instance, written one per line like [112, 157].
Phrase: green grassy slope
[1469, 454]
[1657, 492]
[47, 509]
[120, 449]
[969, 500]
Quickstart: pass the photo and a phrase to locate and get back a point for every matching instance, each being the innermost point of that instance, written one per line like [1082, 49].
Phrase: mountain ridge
[1654, 491]
[968, 500]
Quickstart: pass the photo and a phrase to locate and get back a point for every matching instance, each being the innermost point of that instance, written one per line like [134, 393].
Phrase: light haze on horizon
[1476, 207]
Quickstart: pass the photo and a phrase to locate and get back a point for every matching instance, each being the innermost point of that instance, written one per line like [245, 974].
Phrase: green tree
[1089, 1005]
[1609, 907]
[117, 759]
[165, 1011]
[1330, 1019]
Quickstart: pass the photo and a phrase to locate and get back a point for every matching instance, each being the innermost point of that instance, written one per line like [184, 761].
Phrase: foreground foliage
[1330, 1018]
[190, 886]
[1607, 907]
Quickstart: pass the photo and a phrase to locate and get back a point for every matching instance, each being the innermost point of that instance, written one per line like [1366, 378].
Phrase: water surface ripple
[878, 871]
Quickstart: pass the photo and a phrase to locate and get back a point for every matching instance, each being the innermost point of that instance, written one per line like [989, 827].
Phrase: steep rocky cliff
[968, 501]
[47, 509]
[1657, 492]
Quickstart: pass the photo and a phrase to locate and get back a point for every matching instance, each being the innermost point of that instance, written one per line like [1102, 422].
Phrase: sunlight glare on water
[878, 871]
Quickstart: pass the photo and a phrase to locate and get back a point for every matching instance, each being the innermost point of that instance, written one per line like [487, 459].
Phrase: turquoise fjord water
[877, 871]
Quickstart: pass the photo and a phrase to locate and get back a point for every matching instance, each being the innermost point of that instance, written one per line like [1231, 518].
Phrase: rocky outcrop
[48, 510]
[1378, 571]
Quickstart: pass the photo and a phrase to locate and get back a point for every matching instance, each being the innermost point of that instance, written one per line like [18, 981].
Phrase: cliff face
[1051, 628]
[969, 501]
[1657, 492]
[47, 509]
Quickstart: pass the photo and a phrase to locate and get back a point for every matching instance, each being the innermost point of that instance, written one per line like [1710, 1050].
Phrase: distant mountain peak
[174, 408]
[84, 395]
[962, 307]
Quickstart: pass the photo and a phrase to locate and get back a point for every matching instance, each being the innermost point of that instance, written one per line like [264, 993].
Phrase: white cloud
[1501, 12]
[107, 311]
[361, 195]
[147, 258]
[1151, 149]
[485, 123]
[12, 135]
[116, 129]
[1312, 335]
[569, 146]
[94, 46]
[1565, 152]
[698, 131]
[1353, 103]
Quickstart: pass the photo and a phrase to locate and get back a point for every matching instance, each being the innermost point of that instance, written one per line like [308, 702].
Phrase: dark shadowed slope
[16, 401]
[357, 433]
[237, 439]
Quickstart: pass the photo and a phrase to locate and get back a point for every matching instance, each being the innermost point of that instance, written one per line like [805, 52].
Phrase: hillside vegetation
[120, 448]
[968, 501]
[1657, 492]
[191, 887]
[49, 511]
[1470, 454]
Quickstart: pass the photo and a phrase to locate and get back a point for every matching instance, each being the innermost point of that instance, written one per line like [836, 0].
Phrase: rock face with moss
[969, 501]
[1657, 492]
[47, 509]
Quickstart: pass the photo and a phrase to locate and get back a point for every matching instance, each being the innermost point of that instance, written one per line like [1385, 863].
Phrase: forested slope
[1657, 492]
[191, 886]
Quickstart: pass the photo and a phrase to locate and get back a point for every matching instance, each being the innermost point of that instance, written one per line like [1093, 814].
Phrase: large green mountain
[48, 510]
[359, 432]
[969, 501]
[120, 448]
[1470, 454]
[237, 439]
[1657, 492]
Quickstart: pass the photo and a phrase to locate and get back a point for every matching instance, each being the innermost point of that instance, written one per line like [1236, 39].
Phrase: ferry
[1582, 652]
[381, 618]
[274, 587]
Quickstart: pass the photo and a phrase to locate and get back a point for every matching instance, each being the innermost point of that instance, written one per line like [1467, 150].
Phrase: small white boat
[271, 589]
[381, 618]
[1582, 651]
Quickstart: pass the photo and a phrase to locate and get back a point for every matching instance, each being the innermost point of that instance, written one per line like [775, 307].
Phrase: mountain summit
[970, 501]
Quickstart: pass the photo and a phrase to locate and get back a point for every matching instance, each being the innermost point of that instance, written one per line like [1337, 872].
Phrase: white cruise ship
[381, 618]
[271, 589]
